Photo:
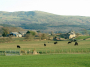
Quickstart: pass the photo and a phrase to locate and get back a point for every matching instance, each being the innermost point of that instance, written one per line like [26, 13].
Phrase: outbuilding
[16, 34]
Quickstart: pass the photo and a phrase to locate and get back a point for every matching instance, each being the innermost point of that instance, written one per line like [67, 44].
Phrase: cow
[55, 42]
[76, 43]
[44, 44]
[69, 42]
[18, 46]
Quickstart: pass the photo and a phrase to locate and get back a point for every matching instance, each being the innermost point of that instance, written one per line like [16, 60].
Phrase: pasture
[60, 47]
[61, 54]
[48, 60]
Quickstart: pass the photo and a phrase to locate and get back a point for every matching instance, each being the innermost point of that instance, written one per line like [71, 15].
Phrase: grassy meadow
[60, 55]
[48, 60]
[60, 47]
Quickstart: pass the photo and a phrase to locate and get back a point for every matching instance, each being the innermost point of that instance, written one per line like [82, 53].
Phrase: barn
[16, 34]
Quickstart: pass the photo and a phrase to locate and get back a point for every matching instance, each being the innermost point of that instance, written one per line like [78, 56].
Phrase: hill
[45, 22]
[9, 28]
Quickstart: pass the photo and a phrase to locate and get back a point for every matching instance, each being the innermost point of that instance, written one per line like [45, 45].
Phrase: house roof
[21, 32]
[14, 33]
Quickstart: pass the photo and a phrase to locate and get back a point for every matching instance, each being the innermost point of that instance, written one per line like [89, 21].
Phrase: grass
[60, 47]
[59, 55]
[83, 37]
[49, 60]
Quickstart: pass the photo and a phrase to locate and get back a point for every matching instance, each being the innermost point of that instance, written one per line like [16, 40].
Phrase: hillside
[45, 22]
[10, 28]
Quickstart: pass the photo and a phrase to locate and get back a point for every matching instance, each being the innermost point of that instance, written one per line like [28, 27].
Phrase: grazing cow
[44, 44]
[18, 46]
[76, 43]
[69, 42]
[55, 42]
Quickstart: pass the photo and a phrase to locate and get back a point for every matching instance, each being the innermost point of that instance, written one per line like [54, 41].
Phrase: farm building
[23, 33]
[71, 34]
[16, 34]
[68, 35]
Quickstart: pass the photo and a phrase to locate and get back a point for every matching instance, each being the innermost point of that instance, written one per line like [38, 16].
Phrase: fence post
[29, 51]
[20, 52]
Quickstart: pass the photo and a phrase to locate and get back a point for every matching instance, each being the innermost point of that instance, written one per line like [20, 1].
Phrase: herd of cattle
[48, 42]
[76, 43]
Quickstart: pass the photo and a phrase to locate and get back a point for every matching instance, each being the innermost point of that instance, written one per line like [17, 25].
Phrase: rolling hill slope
[45, 22]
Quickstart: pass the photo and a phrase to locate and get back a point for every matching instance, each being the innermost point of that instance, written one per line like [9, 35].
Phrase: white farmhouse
[16, 34]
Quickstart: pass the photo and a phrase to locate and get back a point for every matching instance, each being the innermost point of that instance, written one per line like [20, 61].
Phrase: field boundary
[47, 51]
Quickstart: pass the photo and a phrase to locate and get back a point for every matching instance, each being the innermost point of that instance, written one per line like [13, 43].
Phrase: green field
[49, 60]
[83, 37]
[60, 47]
[60, 55]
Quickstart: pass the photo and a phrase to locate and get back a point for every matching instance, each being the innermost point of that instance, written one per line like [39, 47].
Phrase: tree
[77, 34]
[30, 35]
[5, 32]
[31, 32]
[43, 36]
[38, 31]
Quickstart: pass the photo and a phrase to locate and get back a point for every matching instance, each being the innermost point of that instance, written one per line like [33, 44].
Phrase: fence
[12, 52]
[47, 51]
[2, 52]
[40, 51]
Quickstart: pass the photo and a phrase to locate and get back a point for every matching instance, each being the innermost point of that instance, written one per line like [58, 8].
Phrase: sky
[59, 7]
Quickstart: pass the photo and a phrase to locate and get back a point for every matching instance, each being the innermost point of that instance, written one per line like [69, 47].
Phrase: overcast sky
[60, 7]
